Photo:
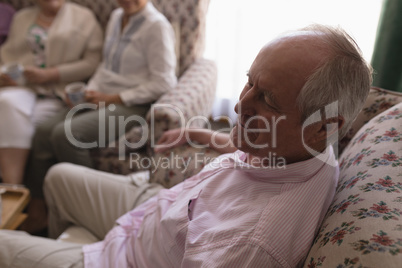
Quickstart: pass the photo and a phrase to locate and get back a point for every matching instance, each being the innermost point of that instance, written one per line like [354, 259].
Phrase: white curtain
[237, 29]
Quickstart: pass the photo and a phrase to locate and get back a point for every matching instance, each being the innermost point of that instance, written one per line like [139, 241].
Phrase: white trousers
[20, 112]
[78, 196]
[19, 249]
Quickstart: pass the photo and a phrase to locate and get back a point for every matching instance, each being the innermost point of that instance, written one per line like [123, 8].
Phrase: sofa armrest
[179, 163]
[188, 104]
[191, 98]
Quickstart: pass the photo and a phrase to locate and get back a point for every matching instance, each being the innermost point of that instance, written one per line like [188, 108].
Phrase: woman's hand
[6, 81]
[170, 139]
[36, 75]
[97, 97]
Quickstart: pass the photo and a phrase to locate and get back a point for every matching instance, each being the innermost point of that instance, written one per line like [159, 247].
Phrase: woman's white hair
[341, 83]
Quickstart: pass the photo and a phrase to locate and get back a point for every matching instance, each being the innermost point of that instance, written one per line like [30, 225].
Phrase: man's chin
[238, 138]
[239, 144]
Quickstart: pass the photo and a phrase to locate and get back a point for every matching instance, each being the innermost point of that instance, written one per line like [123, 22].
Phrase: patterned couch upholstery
[363, 227]
[193, 95]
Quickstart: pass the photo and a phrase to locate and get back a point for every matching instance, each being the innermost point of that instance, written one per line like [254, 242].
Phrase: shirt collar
[295, 172]
[144, 12]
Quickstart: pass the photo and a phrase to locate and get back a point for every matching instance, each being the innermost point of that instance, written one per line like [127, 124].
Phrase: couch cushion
[363, 225]
[190, 15]
[377, 101]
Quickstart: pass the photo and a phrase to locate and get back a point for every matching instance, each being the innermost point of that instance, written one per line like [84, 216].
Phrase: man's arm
[175, 137]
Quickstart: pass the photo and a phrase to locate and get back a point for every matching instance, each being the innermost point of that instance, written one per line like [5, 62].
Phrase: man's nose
[246, 103]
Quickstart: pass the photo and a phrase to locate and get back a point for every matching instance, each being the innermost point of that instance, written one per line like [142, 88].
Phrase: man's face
[269, 120]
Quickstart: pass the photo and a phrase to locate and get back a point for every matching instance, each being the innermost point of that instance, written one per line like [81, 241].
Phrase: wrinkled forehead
[287, 61]
[301, 50]
[302, 39]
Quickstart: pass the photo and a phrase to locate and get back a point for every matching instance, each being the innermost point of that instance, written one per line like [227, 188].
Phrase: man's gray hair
[345, 77]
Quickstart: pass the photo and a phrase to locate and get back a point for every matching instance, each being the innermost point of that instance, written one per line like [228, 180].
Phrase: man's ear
[324, 130]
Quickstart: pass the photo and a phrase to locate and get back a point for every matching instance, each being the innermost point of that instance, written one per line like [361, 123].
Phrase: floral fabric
[363, 226]
[378, 101]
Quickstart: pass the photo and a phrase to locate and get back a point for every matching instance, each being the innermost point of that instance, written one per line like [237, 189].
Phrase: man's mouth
[247, 129]
[242, 120]
[239, 123]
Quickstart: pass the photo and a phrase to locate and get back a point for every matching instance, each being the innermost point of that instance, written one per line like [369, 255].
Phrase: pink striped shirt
[229, 215]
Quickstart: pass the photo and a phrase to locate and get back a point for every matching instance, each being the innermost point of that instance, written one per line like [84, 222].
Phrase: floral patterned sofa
[363, 226]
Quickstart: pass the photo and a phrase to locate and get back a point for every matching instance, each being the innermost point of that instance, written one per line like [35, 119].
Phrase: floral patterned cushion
[363, 225]
[377, 101]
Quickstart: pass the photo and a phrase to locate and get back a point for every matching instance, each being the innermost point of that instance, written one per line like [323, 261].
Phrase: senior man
[303, 89]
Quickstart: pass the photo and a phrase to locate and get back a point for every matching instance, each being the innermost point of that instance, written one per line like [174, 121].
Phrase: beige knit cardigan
[74, 45]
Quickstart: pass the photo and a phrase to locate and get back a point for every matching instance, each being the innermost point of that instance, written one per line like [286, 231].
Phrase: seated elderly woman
[138, 67]
[54, 43]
